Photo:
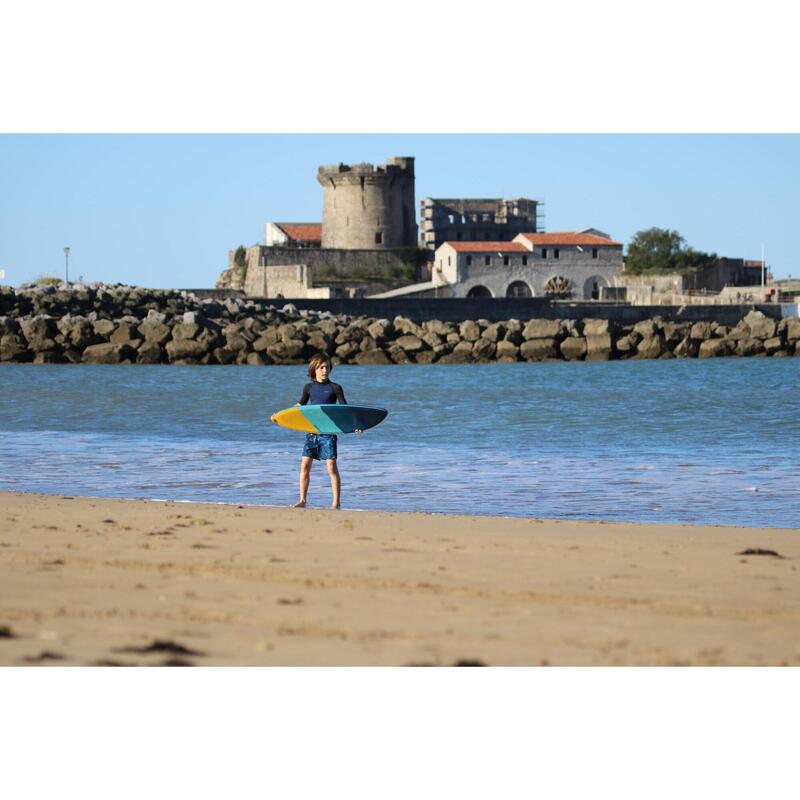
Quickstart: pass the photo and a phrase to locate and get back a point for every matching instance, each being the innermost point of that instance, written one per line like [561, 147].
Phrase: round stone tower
[369, 208]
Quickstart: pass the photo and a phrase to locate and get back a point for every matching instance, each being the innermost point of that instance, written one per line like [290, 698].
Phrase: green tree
[659, 250]
[240, 256]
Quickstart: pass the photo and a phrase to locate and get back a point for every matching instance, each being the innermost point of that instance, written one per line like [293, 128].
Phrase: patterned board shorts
[321, 446]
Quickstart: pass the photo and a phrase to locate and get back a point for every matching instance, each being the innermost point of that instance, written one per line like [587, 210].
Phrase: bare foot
[335, 507]
[298, 504]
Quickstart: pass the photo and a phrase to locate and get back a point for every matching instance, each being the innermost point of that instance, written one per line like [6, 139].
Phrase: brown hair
[317, 361]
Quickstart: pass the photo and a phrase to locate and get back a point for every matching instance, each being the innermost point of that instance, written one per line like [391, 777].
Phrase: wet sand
[87, 581]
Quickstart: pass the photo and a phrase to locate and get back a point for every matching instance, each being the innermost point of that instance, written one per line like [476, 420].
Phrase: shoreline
[447, 514]
[90, 581]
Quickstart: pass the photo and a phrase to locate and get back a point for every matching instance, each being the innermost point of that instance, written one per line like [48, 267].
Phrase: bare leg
[305, 476]
[336, 482]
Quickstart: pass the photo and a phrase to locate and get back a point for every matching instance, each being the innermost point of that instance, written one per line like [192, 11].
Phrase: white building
[566, 264]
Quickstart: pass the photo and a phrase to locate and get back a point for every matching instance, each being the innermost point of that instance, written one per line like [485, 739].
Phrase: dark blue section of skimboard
[336, 418]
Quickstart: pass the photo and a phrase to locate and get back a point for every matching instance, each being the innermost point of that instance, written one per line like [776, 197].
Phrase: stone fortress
[368, 246]
[368, 208]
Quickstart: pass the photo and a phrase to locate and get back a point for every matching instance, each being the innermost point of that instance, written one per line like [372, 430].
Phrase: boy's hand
[272, 418]
[358, 430]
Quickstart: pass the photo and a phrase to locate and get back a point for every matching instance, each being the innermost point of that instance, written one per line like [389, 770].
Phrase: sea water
[684, 441]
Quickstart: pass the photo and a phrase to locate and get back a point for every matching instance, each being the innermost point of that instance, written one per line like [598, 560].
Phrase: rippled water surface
[712, 441]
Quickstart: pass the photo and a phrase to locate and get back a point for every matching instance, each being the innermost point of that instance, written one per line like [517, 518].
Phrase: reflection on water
[709, 441]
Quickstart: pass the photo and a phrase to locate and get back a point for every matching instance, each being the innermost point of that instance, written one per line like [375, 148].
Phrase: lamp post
[66, 259]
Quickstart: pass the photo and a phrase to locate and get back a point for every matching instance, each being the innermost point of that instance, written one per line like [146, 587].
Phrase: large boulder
[761, 326]
[646, 328]
[686, 348]
[150, 353]
[14, 348]
[185, 330]
[398, 355]
[594, 327]
[154, 330]
[507, 351]
[712, 348]
[317, 342]
[381, 330]
[425, 357]
[700, 331]
[599, 347]
[749, 347]
[483, 350]
[108, 354]
[104, 328]
[469, 330]
[40, 333]
[542, 329]
[405, 325]
[374, 356]
[539, 349]
[573, 348]
[185, 349]
[773, 345]
[438, 327]
[268, 338]
[494, 332]
[651, 346]
[409, 343]
[789, 328]
[126, 332]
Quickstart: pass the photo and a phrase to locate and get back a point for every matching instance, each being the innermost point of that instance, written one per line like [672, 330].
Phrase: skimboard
[330, 418]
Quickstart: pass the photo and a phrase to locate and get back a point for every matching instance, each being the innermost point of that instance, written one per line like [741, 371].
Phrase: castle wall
[293, 272]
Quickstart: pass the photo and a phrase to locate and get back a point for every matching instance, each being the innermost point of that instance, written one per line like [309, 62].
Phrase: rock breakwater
[100, 324]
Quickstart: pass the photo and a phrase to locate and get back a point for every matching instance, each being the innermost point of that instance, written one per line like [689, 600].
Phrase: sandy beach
[86, 581]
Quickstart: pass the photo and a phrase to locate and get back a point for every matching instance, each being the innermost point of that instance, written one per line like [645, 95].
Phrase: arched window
[519, 289]
[479, 291]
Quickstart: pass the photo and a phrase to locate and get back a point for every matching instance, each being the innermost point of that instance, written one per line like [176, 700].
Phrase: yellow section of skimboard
[294, 419]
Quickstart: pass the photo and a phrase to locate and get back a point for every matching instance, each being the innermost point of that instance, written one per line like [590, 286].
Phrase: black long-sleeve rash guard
[322, 393]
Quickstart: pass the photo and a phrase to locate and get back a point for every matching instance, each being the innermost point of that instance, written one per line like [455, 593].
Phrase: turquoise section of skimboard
[333, 418]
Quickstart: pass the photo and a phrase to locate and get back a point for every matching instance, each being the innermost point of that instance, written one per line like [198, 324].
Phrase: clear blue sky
[163, 210]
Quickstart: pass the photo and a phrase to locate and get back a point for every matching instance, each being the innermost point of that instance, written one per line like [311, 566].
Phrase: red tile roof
[570, 238]
[488, 247]
[302, 232]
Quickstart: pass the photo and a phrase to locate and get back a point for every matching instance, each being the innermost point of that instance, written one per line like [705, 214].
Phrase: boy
[320, 446]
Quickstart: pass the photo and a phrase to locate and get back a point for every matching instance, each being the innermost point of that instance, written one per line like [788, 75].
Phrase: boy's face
[322, 372]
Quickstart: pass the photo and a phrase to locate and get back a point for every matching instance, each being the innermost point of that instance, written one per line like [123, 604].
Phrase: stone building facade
[369, 208]
[568, 265]
[451, 220]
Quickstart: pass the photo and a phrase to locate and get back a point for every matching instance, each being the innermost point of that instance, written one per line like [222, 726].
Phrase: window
[487, 235]
[379, 237]
[505, 261]
[544, 252]
[469, 261]
[524, 261]
[594, 252]
[487, 261]
[555, 252]
[472, 235]
[458, 235]
[448, 261]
